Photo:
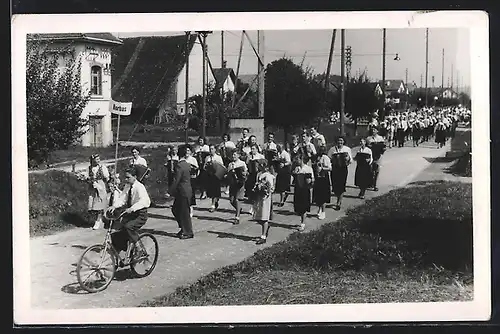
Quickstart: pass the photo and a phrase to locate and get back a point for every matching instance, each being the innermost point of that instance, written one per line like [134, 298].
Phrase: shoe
[337, 207]
[261, 241]
[302, 227]
[375, 189]
[203, 197]
[212, 208]
[186, 236]
[236, 220]
[179, 233]
[322, 216]
[362, 196]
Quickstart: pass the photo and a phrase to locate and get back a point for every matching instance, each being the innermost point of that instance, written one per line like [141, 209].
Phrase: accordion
[201, 156]
[142, 172]
[193, 171]
[237, 176]
[363, 158]
[226, 152]
[339, 160]
[253, 165]
[378, 148]
[301, 180]
[216, 169]
[271, 156]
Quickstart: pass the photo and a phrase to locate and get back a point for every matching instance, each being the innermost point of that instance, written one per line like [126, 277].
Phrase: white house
[94, 50]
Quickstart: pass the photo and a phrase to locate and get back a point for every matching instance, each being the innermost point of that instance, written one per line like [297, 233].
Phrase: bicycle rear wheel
[96, 268]
[144, 255]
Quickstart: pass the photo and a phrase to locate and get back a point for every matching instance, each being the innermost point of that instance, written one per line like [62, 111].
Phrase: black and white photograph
[251, 167]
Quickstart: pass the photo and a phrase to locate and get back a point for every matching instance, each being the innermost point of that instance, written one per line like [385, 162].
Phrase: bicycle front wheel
[96, 268]
[144, 255]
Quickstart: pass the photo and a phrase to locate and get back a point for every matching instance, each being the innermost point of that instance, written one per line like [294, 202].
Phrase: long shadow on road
[233, 236]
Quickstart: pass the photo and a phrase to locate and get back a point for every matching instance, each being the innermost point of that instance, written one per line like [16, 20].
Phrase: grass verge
[409, 245]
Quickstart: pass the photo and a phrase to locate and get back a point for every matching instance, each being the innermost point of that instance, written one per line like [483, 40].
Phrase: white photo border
[476, 21]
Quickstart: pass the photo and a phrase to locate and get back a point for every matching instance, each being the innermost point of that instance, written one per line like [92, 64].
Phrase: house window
[96, 80]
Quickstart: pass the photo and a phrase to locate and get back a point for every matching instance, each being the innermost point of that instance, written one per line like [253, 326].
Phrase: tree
[54, 102]
[360, 99]
[292, 97]
[218, 117]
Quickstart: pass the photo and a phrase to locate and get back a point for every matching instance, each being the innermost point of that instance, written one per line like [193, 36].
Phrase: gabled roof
[247, 79]
[101, 38]
[221, 75]
[392, 85]
[144, 69]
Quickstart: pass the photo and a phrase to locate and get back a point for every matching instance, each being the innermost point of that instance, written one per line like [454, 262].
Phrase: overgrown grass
[411, 244]
[57, 202]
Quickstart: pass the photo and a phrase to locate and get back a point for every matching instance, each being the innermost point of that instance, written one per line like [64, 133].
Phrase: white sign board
[120, 108]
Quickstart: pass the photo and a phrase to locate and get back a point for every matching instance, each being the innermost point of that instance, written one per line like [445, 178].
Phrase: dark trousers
[375, 171]
[130, 225]
[180, 210]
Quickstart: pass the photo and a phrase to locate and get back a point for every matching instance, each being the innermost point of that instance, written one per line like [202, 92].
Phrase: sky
[312, 47]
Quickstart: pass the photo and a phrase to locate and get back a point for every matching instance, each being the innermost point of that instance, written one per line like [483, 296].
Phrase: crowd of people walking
[249, 174]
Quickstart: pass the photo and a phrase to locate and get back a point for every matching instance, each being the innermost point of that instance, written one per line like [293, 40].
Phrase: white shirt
[270, 146]
[202, 148]
[258, 156]
[285, 156]
[367, 150]
[237, 164]
[140, 197]
[311, 147]
[216, 158]
[192, 161]
[325, 162]
[319, 139]
[344, 148]
[306, 169]
[139, 161]
[228, 144]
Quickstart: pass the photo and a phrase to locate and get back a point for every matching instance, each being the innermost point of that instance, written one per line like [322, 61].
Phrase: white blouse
[237, 164]
[305, 169]
[344, 148]
[285, 156]
[367, 150]
[216, 158]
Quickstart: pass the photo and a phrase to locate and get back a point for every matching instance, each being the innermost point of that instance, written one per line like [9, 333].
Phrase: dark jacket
[181, 186]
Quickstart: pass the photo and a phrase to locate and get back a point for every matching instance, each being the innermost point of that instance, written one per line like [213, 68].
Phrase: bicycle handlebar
[113, 218]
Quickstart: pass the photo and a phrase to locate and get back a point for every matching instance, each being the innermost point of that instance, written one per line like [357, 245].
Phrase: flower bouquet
[262, 188]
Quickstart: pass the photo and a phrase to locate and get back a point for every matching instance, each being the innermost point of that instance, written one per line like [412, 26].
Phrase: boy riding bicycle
[134, 201]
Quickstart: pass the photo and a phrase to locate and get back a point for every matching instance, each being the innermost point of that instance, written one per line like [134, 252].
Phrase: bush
[419, 226]
[57, 201]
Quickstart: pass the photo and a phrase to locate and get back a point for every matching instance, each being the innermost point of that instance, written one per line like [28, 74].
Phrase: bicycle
[109, 259]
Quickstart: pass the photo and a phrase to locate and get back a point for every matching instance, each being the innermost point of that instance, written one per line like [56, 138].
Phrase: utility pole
[329, 65]
[204, 107]
[260, 62]
[442, 71]
[406, 88]
[186, 101]
[342, 83]
[222, 65]
[426, 65]
[238, 66]
[451, 77]
[382, 112]
[421, 81]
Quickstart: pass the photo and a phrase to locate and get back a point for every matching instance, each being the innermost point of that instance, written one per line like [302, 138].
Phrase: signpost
[120, 109]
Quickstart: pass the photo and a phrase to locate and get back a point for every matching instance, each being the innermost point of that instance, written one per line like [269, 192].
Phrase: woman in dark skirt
[340, 156]
[303, 181]
[213, 183]
[284, 175]
[322, 188]
[201, 151]
[440, 133]
[236, 176]
[363, 175]
[252, 163]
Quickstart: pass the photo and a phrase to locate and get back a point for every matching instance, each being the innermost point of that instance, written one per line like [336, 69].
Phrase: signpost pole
[117, 137]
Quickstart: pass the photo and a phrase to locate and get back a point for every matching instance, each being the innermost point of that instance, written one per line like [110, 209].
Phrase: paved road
[217, 243]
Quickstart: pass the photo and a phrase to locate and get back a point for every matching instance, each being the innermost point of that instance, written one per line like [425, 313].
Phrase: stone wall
[255, 125]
